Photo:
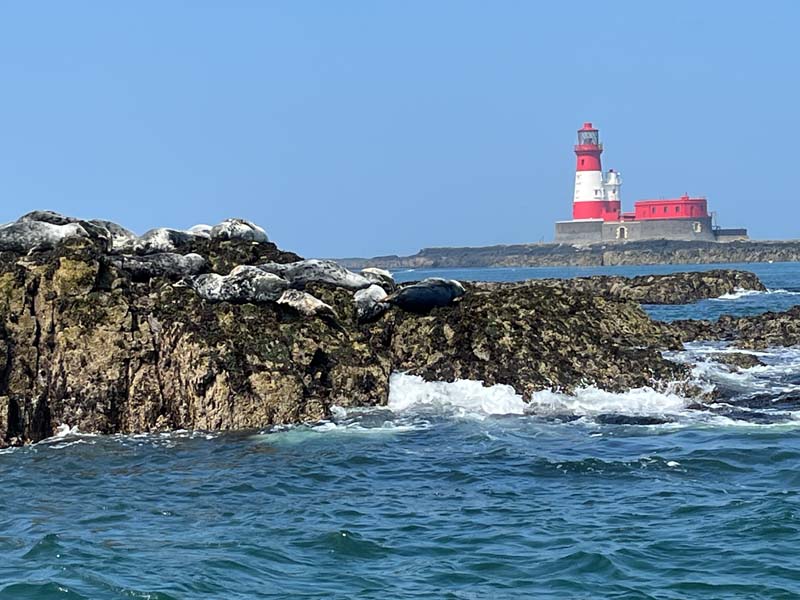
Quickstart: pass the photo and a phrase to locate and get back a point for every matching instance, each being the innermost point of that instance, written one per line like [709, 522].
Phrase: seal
[164, 264]
[24, 236]
[380, 276]
[314, 270]
[245, 283]
[201, 230]
[305, 304]
[370, 303]
[119, 236]
[238, 229]
[427, 294]
[161, 239]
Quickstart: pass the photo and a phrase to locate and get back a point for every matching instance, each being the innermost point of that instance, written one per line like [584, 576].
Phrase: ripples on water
[455, 491]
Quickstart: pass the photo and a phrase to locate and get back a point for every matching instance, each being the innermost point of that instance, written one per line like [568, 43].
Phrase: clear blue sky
[361, 128]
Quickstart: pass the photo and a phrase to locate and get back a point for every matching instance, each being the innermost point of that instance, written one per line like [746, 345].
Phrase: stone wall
[591, 232]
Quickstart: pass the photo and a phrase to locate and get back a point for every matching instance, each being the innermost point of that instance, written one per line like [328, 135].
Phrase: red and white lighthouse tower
[596, 196]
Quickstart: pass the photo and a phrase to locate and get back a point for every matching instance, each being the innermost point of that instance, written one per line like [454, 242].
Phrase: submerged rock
[737, 360]
[618, 419]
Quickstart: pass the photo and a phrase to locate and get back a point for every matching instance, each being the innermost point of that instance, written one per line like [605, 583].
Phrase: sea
[453, 490]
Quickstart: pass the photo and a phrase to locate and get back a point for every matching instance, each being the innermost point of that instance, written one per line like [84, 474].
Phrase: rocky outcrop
[229, 332]
[754, 332]
[650, 252]
[111, 342]
[674, 288]
[533, 338]
[737, 361]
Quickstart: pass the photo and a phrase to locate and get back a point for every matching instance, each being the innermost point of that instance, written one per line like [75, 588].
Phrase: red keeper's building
[597, 208]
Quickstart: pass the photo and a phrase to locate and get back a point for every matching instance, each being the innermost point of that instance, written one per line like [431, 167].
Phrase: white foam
[464, 397]
[592, 401]
[473, 398]
[64, 430]
[743, 293]
[774, 376]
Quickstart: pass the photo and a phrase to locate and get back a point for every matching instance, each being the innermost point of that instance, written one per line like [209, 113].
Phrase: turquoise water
[453, 491]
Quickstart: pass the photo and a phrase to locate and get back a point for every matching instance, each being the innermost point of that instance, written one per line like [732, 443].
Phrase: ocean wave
[462, 397]
[473, 399]
[739, 293]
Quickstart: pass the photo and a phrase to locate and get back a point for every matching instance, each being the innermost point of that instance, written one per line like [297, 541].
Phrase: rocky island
[644, 252]
[216, 328]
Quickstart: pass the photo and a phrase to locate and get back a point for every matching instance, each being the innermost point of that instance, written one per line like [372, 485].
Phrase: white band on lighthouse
[589, 186]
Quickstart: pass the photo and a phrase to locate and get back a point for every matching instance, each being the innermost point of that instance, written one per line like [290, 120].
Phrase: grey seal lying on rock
[427, 294]
[315, 270]
[23, 236]
[382, 277]
[305, 304]
[244, 284]
[238, 229]
[161, 239]
[370, 303]
[164, 264]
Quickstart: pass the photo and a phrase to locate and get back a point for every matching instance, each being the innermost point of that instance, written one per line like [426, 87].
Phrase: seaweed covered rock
[536, 337]
[110, 342]
[737, 361]
[753, 332]
[672, 288]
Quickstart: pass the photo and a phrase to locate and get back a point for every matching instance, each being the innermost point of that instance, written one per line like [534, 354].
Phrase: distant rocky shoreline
[216, 328]
[653, 252]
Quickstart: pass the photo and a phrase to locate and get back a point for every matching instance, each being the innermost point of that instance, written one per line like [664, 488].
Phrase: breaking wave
[739, 293]
[767, 394]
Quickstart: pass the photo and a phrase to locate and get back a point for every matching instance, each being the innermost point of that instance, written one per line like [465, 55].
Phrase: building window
[698, 227]
[665, 210]
[677, 209]
[653, 210]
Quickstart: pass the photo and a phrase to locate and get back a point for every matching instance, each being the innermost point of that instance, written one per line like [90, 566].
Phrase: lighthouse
[596, 195]
[597, 212]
